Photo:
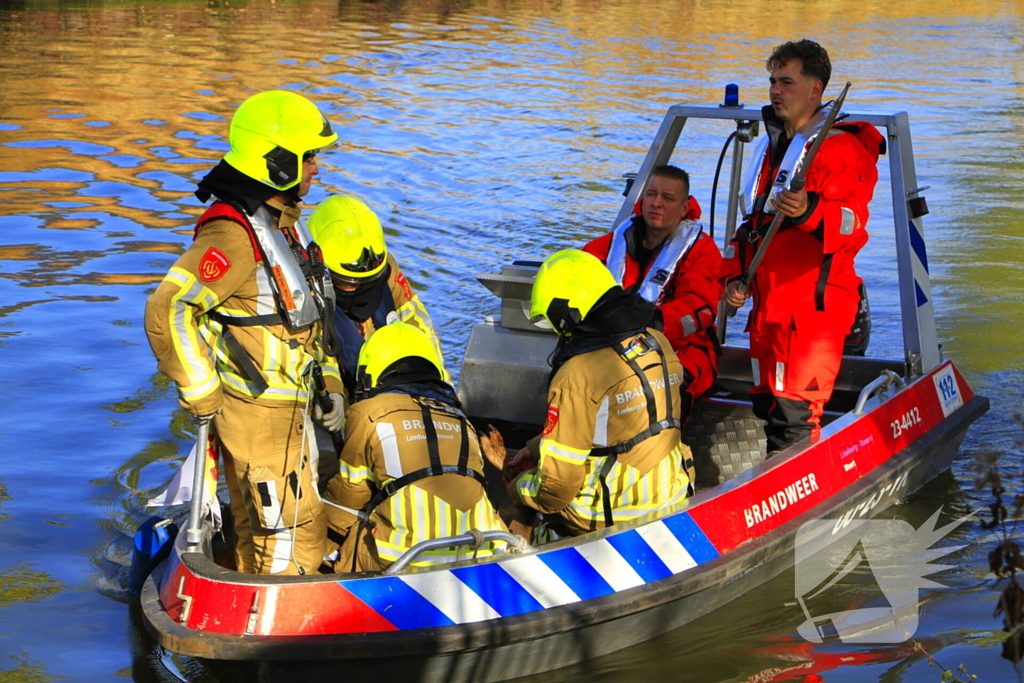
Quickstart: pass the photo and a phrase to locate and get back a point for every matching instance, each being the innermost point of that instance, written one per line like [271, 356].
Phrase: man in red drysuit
[806, 289]
[665, 256]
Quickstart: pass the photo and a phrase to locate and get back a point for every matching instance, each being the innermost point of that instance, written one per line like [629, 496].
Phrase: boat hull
[862, 465]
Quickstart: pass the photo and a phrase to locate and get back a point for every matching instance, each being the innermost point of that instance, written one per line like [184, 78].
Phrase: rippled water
[481, 132]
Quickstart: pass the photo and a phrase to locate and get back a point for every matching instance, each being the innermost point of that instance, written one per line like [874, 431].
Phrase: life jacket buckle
[638, 347]
[316, 261]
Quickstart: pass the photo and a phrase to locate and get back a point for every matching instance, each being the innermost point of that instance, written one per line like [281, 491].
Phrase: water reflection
[28, 670]
[22, 583]
[4, 497]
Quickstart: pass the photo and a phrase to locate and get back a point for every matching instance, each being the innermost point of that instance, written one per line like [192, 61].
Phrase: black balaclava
[361, 303]
[228, 184]
[415, 376]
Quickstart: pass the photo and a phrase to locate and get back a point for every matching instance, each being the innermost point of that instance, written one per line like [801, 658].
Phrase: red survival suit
[688, 302]
[806, 289]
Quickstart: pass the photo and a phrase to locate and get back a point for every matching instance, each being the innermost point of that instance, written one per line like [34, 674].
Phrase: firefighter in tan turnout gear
[610, 449]
[370, 289]
[237, 324]
[411, 468]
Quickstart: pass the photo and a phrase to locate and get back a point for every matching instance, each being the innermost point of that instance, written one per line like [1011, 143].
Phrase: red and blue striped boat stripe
[535, 582]
[398, 603]
[502, 592]
[692, 537]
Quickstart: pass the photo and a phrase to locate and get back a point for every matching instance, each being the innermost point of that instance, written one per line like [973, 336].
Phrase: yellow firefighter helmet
[567, 286]
[351, 238]
[271, 133]
[389, 347]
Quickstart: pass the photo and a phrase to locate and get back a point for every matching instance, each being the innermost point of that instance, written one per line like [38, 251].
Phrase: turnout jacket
[387, 439]
[596, 400]
[807, 280]
[689, 296]
[220, 272]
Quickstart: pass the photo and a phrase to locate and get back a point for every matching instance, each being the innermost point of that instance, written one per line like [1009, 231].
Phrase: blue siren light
[732, 95]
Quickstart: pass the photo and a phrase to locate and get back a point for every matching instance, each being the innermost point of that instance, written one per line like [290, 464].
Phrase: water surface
[481, 132]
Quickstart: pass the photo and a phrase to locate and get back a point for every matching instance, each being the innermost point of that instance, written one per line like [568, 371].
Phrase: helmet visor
[541, 322]
[339, 280]
[369, 262]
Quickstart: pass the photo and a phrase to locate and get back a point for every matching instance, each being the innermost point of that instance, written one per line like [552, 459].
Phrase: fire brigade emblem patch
[214, 265]
[550, 422]
[404, 284]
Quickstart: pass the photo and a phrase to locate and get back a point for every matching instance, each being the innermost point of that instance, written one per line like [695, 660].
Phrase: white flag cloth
[180, 489]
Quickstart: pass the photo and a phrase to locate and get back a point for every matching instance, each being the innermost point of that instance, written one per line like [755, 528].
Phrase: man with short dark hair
[806, 291]
[663, 254]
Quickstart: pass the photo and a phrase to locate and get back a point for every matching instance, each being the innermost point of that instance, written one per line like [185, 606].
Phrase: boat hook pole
[194, 533]
[795, 185]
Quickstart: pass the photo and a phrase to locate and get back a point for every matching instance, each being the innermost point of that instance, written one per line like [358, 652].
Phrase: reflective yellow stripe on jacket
[412, 311]
[596, 400]
[200, 378]
[415, 516]
[415, 313]
[283, 362]
[632, 495]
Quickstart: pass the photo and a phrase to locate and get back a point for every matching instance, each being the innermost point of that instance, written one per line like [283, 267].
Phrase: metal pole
[194, 533]
[920, 337]
[735, 178]
[734, 189]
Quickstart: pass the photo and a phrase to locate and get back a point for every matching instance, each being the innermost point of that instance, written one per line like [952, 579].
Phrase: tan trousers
[271, 477]
[347, 545]
[359, 553]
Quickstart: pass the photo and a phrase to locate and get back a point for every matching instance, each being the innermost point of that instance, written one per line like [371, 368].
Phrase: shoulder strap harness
[298, 275]
[640, 346]
[435, 469]
[754, 202]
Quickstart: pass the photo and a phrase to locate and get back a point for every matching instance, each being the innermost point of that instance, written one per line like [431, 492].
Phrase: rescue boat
[891, 426]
